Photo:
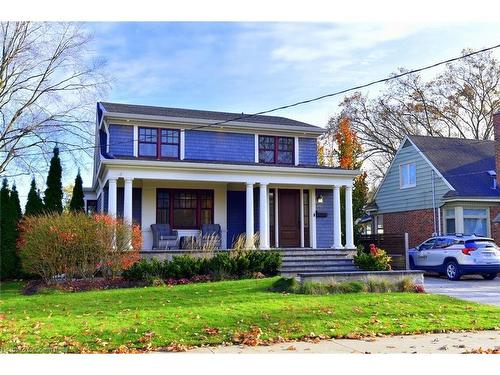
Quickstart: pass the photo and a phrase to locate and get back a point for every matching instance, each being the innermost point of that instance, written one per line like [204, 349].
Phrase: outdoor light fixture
[319, 199]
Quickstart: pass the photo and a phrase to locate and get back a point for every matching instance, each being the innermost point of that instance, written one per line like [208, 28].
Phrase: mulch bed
[82, 285]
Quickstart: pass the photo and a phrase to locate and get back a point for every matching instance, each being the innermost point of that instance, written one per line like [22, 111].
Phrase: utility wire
[302, 102]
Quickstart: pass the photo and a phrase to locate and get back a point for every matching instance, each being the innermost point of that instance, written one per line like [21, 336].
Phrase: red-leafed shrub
[75, 245]
[374, 260]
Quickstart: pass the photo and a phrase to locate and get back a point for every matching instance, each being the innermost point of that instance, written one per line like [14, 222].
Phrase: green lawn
[156, 317]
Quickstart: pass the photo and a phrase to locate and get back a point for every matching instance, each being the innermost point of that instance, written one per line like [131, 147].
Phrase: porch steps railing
[297, 261]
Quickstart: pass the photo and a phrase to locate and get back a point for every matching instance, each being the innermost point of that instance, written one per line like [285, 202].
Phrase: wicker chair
[164, 237]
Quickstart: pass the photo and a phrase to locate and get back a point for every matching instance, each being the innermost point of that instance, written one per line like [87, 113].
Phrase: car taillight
[469, 249]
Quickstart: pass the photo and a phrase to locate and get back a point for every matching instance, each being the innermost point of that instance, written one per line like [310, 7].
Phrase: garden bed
[416, 277]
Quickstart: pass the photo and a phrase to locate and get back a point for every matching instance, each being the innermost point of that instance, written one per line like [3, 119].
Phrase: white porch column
[312, 218]
[349, 228]
[249, 215]
[264, 217]
[127, 200]
[337, 241]
[276, 220]
[301, 218]
[112, 197]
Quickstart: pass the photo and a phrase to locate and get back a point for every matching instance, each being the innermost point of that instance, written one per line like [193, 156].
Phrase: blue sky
[249, 67]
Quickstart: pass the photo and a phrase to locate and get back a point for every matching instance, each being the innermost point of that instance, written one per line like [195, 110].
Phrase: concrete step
[318, 268]
[314, 252]
[319, 262]
[331, 258]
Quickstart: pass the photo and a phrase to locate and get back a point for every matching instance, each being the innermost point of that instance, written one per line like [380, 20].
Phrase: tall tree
[34, 204]
[77, 203]
[458, 102]
[348, 154]
[49, 83]
[16, 204]
[8, 234]
[54, 192]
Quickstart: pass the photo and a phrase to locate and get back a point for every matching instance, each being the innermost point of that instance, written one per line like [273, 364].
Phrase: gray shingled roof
[200, 114]
[463, 162]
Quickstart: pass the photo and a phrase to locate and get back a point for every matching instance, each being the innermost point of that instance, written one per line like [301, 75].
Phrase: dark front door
[289, 217]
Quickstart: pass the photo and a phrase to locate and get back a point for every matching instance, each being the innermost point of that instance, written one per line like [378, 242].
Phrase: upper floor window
[276, 150]
[407, 175]
[159, 143]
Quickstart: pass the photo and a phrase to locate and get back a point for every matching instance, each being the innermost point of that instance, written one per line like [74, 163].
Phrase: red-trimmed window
[184, 209]
[159, 143]
[276, 150]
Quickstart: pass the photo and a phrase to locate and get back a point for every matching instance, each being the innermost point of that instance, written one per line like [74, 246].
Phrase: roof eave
[195, 122]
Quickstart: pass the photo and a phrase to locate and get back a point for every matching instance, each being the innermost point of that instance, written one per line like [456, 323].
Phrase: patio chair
[211, 233]
[164, 237]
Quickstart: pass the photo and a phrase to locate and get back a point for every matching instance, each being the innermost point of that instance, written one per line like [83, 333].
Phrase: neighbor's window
[450, 221]
[159, 143]
[475, 221]
[184, 209]
[408, 175]
[276, 150]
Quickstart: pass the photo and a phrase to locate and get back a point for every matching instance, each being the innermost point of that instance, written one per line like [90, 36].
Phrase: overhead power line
[306, 101]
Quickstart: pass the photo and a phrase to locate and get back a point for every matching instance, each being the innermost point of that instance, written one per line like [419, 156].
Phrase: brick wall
[495, 227]
[121, 140]
[418, 224]
[219, 146]
[308, 152]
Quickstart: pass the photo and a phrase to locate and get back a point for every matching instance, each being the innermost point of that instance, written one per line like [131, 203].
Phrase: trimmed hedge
[220, 266]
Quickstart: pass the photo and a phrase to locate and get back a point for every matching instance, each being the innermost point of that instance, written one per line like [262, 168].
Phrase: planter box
[417, 277]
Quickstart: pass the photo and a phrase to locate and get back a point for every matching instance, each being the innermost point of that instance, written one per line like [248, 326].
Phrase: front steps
[299, 261]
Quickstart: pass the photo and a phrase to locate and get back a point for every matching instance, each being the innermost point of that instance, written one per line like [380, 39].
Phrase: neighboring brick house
[186, 168]
[438, 185]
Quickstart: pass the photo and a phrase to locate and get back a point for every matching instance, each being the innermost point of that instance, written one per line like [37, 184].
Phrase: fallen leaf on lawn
[211, 330]
[249, 338]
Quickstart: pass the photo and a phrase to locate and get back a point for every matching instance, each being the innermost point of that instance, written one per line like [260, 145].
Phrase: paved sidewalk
[431, 343]
[470, 288]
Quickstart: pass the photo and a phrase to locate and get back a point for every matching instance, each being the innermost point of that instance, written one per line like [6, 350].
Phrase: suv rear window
[482, 243]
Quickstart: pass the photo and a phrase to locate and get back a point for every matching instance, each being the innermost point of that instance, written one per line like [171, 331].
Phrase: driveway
[470, 288]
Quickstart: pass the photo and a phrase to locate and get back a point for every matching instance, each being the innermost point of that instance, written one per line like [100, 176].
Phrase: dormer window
[159, 143]
[276, 150]
[407, 175]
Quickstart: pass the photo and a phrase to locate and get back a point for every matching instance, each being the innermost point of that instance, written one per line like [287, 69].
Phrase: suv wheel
[452, 270]
[489, 276]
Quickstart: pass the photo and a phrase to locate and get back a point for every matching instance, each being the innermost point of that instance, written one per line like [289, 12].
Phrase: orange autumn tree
[348, 153]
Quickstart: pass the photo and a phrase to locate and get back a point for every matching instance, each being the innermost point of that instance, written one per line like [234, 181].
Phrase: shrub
[223, 265]
[376, 260]
[75, 245]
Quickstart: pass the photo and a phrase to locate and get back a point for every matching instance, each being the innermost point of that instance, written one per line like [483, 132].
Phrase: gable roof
[147, 110]
[464, 163]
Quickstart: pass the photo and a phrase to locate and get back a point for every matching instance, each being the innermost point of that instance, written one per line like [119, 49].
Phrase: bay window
[184, 209]
[159, 143]
[475, 221]
[450, 221]
[276, 150]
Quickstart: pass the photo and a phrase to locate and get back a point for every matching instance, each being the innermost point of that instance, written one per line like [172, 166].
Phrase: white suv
[456, 255]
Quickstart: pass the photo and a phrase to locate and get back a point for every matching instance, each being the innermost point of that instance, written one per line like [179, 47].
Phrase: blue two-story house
[186, 167]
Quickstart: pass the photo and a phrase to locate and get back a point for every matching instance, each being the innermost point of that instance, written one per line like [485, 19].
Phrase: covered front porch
[286, 207]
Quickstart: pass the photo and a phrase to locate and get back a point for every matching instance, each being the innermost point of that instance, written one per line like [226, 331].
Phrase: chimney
[496, 132]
